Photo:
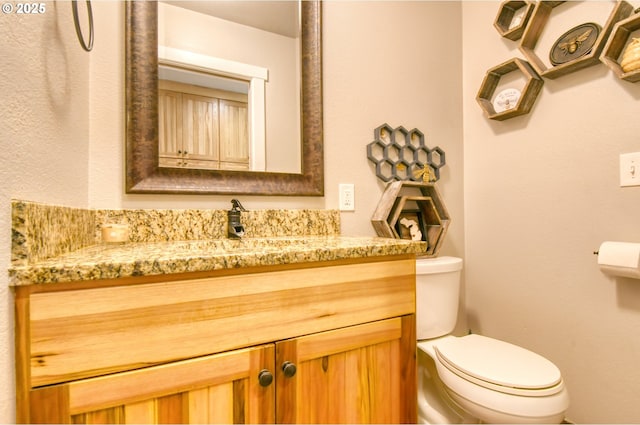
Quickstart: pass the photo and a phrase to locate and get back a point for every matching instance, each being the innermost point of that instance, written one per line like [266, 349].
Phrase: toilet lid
[496, 362]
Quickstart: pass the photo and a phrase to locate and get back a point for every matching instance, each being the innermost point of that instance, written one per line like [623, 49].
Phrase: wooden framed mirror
[143, 174]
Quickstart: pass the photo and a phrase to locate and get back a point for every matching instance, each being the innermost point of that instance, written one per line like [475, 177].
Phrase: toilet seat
[499, 366]
[498, 382]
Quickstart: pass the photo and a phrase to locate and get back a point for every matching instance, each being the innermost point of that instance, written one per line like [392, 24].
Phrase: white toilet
[475, 379]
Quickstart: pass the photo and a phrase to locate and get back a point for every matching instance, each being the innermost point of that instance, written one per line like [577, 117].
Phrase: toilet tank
[437, 295]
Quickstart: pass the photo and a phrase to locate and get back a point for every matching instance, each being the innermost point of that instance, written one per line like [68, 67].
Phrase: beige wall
[382, 66]
[541, 193]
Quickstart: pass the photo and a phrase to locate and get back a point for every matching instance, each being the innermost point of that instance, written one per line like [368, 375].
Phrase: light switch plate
[347, 197]
[630, 169]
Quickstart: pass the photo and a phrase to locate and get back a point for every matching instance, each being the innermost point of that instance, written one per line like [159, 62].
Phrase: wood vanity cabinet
[326, 342]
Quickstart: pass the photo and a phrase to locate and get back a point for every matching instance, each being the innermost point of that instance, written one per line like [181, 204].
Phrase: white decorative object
[506, 99]
[414, 228]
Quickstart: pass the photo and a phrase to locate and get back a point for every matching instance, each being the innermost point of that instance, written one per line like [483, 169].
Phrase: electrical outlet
[630, 169]
[347, 197]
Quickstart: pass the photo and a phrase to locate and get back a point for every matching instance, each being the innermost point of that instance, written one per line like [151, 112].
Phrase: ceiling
[280, 17]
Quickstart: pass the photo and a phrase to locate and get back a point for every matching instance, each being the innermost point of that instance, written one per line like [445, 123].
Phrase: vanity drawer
[79, 333]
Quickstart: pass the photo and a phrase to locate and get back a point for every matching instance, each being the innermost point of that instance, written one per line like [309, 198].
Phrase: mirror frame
[143, 174]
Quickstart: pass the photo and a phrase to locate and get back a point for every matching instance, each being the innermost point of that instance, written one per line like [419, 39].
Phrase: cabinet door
[222, 388]
[170, 128]
[200, 122]
[234, 135]
[360, 374]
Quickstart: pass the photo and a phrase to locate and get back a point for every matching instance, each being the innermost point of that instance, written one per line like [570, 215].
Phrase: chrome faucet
[235, 229]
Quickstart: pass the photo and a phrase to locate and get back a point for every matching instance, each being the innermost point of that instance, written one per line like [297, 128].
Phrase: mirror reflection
[201, 124]
[144, 175]
[229, 85]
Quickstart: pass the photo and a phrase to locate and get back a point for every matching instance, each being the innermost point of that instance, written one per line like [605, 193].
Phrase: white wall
[44, 136]
[541, 193]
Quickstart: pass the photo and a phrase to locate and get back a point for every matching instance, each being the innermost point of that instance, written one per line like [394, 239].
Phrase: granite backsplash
[41, 231]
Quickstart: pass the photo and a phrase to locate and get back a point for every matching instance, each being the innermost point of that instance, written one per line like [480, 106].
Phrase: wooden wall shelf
[542, 13]
[620, 37]
[394, 201]
[513, 17]
[528, 93]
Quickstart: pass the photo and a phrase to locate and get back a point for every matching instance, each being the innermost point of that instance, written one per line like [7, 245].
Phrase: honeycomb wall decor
[400, 154]
[547, 11]
[622, 35]
[512, 19]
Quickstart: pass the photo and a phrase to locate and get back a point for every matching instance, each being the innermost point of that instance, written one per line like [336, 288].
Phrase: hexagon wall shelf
[395, 200]
[512, 19]
[620, 37]
[528, 95]
[399, 154]
[542, 13]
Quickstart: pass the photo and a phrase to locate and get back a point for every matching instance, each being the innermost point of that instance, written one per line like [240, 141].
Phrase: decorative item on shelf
[506, 99]
[405, 202]
[631, 57]
[576, 42]
[509, 102]
[424, 175]
[512, 19]
[399, 154]
[622, 36]
[410, 225]
[516, 21]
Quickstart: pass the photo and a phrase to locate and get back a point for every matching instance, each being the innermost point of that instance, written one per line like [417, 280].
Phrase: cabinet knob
[265, 378]
[289, 369]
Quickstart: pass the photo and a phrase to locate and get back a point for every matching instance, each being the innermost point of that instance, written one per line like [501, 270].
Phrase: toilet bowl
[474, 378]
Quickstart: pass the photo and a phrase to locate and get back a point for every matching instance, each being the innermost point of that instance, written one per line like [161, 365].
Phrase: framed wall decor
[576, 42]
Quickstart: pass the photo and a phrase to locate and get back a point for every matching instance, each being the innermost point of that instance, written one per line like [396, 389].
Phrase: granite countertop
[111, 261]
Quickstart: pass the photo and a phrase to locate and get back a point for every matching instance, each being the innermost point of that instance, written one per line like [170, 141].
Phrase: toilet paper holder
[619, 259]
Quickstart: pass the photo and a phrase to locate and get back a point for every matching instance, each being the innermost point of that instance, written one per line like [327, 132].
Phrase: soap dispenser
[235, 227]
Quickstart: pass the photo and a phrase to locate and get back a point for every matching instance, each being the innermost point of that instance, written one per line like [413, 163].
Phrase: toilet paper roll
[620, 259]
